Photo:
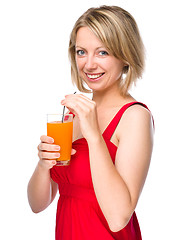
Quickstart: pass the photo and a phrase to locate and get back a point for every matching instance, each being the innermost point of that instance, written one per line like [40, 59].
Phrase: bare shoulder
[137, 113]
[140, 111]
[136, 117]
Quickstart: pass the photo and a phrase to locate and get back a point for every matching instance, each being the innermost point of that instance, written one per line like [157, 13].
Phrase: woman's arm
[118, 187]
[41, 188]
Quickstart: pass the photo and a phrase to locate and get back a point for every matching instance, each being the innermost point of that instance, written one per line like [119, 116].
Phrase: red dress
[79, 216]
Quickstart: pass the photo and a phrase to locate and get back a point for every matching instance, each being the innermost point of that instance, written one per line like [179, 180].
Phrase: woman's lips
[94, 77]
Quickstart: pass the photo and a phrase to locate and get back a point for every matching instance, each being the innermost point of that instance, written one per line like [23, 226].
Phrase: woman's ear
[125, 68]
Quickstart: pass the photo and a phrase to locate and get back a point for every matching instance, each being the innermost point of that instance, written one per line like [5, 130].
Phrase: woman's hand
[85, 109]
[48, 152]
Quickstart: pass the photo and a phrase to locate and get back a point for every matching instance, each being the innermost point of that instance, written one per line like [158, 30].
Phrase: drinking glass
[60, 128]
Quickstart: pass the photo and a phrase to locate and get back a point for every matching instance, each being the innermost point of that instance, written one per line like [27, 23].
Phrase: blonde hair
[118, 31]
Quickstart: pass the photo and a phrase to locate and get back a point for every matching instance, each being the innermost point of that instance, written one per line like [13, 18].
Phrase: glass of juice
[61, 130]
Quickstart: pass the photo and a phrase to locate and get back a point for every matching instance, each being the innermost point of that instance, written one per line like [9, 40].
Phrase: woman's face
[96, 66]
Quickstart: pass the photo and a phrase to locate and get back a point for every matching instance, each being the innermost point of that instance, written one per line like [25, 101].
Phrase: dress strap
[113, 124]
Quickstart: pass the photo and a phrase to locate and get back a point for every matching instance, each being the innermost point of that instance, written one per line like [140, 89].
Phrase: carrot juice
[61, 132]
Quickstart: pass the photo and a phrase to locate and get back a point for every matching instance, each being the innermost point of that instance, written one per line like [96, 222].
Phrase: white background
[35, 76]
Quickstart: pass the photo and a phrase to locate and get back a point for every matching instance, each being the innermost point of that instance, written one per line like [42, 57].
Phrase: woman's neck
[110, 98]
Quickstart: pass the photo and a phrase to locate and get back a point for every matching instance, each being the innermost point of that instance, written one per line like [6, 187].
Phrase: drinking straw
[63, 114]
[64, 111]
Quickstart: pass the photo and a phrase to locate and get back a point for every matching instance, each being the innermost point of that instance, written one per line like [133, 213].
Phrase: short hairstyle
[118, 31]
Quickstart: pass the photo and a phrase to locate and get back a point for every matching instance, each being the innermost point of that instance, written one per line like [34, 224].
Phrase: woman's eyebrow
[79, 47]
[85, 48]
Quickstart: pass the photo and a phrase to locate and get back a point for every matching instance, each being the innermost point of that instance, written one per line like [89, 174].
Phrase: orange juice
[61, 132]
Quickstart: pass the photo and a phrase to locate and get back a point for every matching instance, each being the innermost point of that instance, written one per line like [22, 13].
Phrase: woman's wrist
[41, 166]
[95, 139]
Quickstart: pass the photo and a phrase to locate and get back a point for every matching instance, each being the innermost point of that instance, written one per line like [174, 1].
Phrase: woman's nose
[91, 63]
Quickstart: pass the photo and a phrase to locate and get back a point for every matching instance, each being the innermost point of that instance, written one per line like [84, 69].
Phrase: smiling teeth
[94, 76]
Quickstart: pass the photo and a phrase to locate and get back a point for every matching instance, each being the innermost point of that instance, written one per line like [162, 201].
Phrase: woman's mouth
[94, 77]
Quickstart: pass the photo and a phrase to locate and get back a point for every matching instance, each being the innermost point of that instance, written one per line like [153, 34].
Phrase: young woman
[112, 138]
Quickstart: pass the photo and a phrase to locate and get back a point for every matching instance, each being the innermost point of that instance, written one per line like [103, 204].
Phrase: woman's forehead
[86, 38]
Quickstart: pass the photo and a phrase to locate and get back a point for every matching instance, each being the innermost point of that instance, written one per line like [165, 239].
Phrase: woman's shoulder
[138, 110]
[133, 107]
[137, 116]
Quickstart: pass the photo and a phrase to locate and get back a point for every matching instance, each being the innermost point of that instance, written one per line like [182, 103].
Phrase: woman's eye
[80, 52]
[103, 53]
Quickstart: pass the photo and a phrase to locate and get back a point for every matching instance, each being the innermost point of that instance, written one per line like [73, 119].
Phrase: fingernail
[57, 148]
[51, 140]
